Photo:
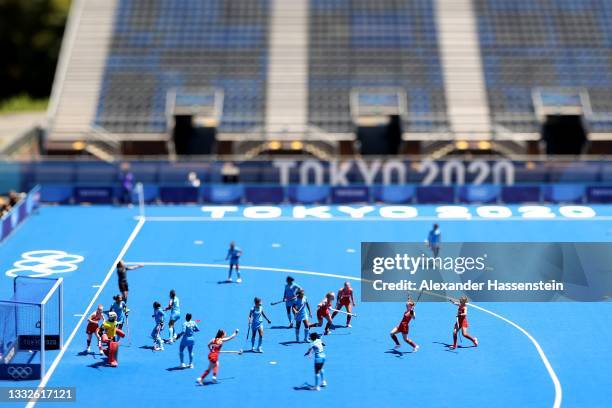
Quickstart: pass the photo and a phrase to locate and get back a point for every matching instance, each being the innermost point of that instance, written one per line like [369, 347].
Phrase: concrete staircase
[79, 73]
[466, 96]
[287, 89]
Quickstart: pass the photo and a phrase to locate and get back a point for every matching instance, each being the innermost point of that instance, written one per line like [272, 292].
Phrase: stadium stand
[551, 44]
[440, 71]
[365, 44]
[160, 45]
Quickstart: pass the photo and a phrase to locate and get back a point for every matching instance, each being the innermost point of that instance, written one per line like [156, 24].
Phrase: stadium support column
[287, 89]
[466, 96]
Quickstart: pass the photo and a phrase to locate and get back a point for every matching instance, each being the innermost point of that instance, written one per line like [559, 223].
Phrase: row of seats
[159, 45]
[527, 44]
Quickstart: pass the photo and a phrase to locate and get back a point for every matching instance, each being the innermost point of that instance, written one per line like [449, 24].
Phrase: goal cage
[31, 318]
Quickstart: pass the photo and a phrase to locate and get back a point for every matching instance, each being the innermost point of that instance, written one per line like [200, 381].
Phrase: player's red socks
[204, 375]
[215, 370]
[348, 319]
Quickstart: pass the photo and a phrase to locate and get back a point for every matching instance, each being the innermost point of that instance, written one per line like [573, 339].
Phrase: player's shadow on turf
[280, 327]
[178, 368]
[146, 347]
[304, 387]
[448, 346]
[225, 282]
[289, 343]
[87, 353]
[99, 364]
[398, 353]
[219, 381]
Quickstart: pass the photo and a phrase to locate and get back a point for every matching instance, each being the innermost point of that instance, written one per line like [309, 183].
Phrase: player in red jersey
[403, 327]
[214, 347]
[323, 312]
[93, 324]
[345, 299]
[461, 322]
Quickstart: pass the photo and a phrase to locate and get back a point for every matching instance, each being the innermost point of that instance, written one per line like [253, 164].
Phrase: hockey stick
[232, 351]
[276, 303]
[342, 311]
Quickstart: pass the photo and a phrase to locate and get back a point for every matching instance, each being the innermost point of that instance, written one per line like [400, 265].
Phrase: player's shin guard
[395, 340]
[348, 320]
[454, 339]
[204, 375]
[306, 331]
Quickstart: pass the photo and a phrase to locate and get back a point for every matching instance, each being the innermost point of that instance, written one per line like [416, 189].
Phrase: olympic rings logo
[19, 373]
[38, 264]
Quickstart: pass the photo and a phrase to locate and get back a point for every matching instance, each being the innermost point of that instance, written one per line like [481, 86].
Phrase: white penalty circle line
[545, 361]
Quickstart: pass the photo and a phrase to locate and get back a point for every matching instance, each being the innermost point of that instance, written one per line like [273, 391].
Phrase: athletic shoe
[239, 280]
[214, 379]
[259, 350]
[323, 383]
[190, 365]
[475, 342]
[253, 349]
[349, 326]
[199, 381]
[416, 348]
[229, 280]
[397, 347]
[291, 325]
[183, 365]
[452, 347]
[316, 388]
[87, 350]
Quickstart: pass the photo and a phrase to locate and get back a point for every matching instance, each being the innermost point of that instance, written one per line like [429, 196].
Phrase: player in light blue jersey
[434, 239]
[174, 306]
[233, 254]
[120, 308]
[256, 318]
[187, 339]
[299, 310]
[318, 348]
[289, 296]
[158, 316]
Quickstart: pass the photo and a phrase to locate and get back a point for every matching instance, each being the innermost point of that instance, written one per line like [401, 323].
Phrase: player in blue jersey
[256, 318]
[174, 306]
[299, 310]
[318, 348]
[434, 239]
[120, 308]
[233, 254]
[158, 316]
[187, 339]
[289, 296]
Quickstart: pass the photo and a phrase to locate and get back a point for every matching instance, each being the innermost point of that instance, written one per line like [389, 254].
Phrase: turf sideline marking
[366, 218]
[49, 373]
[545, 361]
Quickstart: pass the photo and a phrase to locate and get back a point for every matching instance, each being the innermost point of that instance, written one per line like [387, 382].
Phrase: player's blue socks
[171, 333]
[322, 375]
[259, 342]
[306, 331]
